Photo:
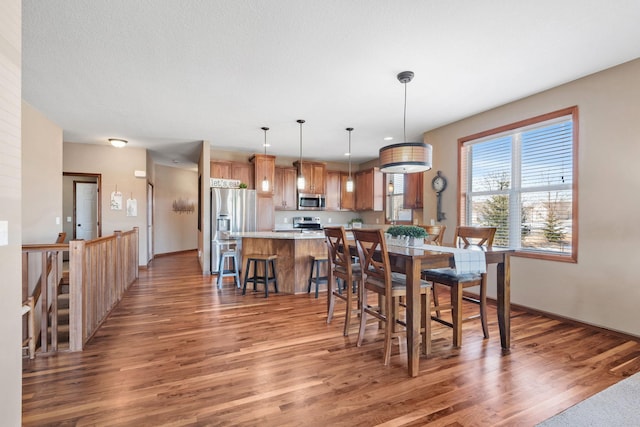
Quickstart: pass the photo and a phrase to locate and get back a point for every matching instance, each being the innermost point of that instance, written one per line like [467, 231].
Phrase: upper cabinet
[314, 177]
[243, 172]
[284, 189]
[413, 190]
[264, 167]
[337, 197]
[369, 190]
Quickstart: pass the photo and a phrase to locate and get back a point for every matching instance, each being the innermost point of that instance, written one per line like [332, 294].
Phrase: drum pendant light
[265, 181]
[406, 157]
[301, 182]
[349, 185]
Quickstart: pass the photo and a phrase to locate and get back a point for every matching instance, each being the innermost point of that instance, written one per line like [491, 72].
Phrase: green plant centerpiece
[243, 185]
[415, 234]
[356, 222]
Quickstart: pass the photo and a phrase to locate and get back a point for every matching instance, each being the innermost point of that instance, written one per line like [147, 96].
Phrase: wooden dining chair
[344, 272]
[464, 237]
[435, 232]
[374, 262]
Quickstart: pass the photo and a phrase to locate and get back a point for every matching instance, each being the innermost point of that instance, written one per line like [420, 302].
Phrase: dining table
[412, 260]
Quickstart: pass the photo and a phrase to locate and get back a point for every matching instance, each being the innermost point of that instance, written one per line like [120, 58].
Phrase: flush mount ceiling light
[406, 157]
[301, 182]
[265, 181]
[349, 185]
[117, 142]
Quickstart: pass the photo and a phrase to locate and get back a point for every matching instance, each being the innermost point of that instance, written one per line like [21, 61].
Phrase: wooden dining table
[412, 260]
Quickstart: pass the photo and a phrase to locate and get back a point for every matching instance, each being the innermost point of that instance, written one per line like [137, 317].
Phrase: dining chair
[435, 232]
[390, 286]
[463, 237]
[344, 271]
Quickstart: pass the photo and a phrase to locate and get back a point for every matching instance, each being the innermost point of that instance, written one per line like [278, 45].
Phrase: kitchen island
[294, 250]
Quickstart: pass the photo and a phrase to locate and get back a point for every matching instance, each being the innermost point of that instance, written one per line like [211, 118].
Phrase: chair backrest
[337, 245]
[435, 232]
[374, 258]
[480, 236]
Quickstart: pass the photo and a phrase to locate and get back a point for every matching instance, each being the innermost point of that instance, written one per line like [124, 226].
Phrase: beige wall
[117, 166]
[41, 177]
[602, 288]
[10, 212]
[175, 231]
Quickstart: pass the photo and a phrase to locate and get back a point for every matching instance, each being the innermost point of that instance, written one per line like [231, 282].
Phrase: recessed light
[388, 138]
[266, 145]
[347, 154]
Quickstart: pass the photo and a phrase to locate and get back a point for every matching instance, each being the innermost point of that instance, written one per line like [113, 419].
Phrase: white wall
[175, 231]
[602, 288]
[41, 177]
[10, 212]
[117, 166]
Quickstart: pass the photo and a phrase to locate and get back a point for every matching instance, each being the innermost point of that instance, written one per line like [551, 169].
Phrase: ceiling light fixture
[349, 185]
[265, 181]
[117, 142]
[301, 183]
[406, 157]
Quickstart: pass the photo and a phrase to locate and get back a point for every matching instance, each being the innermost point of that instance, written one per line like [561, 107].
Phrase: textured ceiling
[165, 74]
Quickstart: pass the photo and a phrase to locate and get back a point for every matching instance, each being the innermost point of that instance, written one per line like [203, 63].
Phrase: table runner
[466, 260]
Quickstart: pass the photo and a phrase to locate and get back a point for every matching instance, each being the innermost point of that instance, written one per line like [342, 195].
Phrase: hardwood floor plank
[177, 351]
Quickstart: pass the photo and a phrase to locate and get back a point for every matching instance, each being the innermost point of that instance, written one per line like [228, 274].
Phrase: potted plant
[356, 223]
[243, 185]
[414, 234]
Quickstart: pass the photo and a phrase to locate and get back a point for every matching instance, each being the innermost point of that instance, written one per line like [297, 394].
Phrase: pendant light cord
[405, 112]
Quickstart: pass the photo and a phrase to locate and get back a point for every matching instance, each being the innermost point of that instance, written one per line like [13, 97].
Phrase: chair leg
[275, 277]
[246, 276]
[483, 306]
[332, 298]
[347, 314]
[435, 298]
[236, 276]
[266, 279]
[310, 276]
[220, 270]
[317, 276]
[363, 316]
[389, 327]
[456, 314]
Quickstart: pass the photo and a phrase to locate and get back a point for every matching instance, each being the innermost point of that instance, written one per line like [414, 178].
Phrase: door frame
[98, 178]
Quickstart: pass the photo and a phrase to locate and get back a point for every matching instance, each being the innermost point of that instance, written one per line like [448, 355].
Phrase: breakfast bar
[293, 249]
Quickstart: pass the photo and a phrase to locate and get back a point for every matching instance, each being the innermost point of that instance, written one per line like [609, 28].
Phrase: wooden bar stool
[316, 263]
[265, 261]
[232, 256]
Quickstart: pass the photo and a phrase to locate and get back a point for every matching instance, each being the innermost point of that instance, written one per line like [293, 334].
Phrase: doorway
[81, 205]
[149, 221]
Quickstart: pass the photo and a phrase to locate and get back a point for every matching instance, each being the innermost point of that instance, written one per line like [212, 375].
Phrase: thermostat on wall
[140, 174]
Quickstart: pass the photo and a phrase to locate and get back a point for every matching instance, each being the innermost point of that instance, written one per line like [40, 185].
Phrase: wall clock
[439, 184]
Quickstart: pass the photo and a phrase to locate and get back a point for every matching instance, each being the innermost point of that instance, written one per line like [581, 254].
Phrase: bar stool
[316, 262]
[232, 256]
[265, 260]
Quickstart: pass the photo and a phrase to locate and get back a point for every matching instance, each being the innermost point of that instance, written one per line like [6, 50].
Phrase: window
[396, 212]
[521, 178]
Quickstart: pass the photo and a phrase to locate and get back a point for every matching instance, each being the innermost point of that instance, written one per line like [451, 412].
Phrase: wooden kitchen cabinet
[265, 217]
[314, 177]
[337, 198]
[284, 189]
[369, 190]
[243, 172]
[264, 166]
[413, 190]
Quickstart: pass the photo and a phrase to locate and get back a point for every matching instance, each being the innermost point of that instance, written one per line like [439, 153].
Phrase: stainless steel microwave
[311, 202]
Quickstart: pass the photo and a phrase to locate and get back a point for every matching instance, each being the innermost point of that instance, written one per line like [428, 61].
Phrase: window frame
[569, 111]
[387, 197]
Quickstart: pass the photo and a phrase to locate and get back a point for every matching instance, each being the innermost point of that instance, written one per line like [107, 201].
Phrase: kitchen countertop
[294, 235]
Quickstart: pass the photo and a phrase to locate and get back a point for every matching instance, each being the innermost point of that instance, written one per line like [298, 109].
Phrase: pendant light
[301, 182]
[349, 186]
[265, 181]
[406, 157]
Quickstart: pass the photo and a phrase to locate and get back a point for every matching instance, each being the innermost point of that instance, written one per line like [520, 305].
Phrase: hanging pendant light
[406, 157]
[265, 181]
[349, 186]
[301, 182]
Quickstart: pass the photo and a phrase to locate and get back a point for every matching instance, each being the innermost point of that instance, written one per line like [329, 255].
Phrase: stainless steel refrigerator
[232, 211]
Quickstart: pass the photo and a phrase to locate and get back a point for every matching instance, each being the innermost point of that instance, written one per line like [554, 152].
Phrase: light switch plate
[4, 233]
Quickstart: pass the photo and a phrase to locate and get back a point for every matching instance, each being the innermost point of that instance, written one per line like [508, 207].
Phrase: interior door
[149, 221]
[85, 210]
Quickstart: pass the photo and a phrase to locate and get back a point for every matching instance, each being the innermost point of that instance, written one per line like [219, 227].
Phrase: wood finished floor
[178, 352]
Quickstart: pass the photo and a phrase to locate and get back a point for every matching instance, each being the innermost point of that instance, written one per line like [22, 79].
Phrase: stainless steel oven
[311, 202]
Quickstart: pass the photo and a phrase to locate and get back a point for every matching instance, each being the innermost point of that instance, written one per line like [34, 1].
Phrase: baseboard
[174, 253]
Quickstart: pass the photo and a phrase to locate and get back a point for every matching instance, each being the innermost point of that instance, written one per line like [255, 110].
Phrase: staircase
[63, 314]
